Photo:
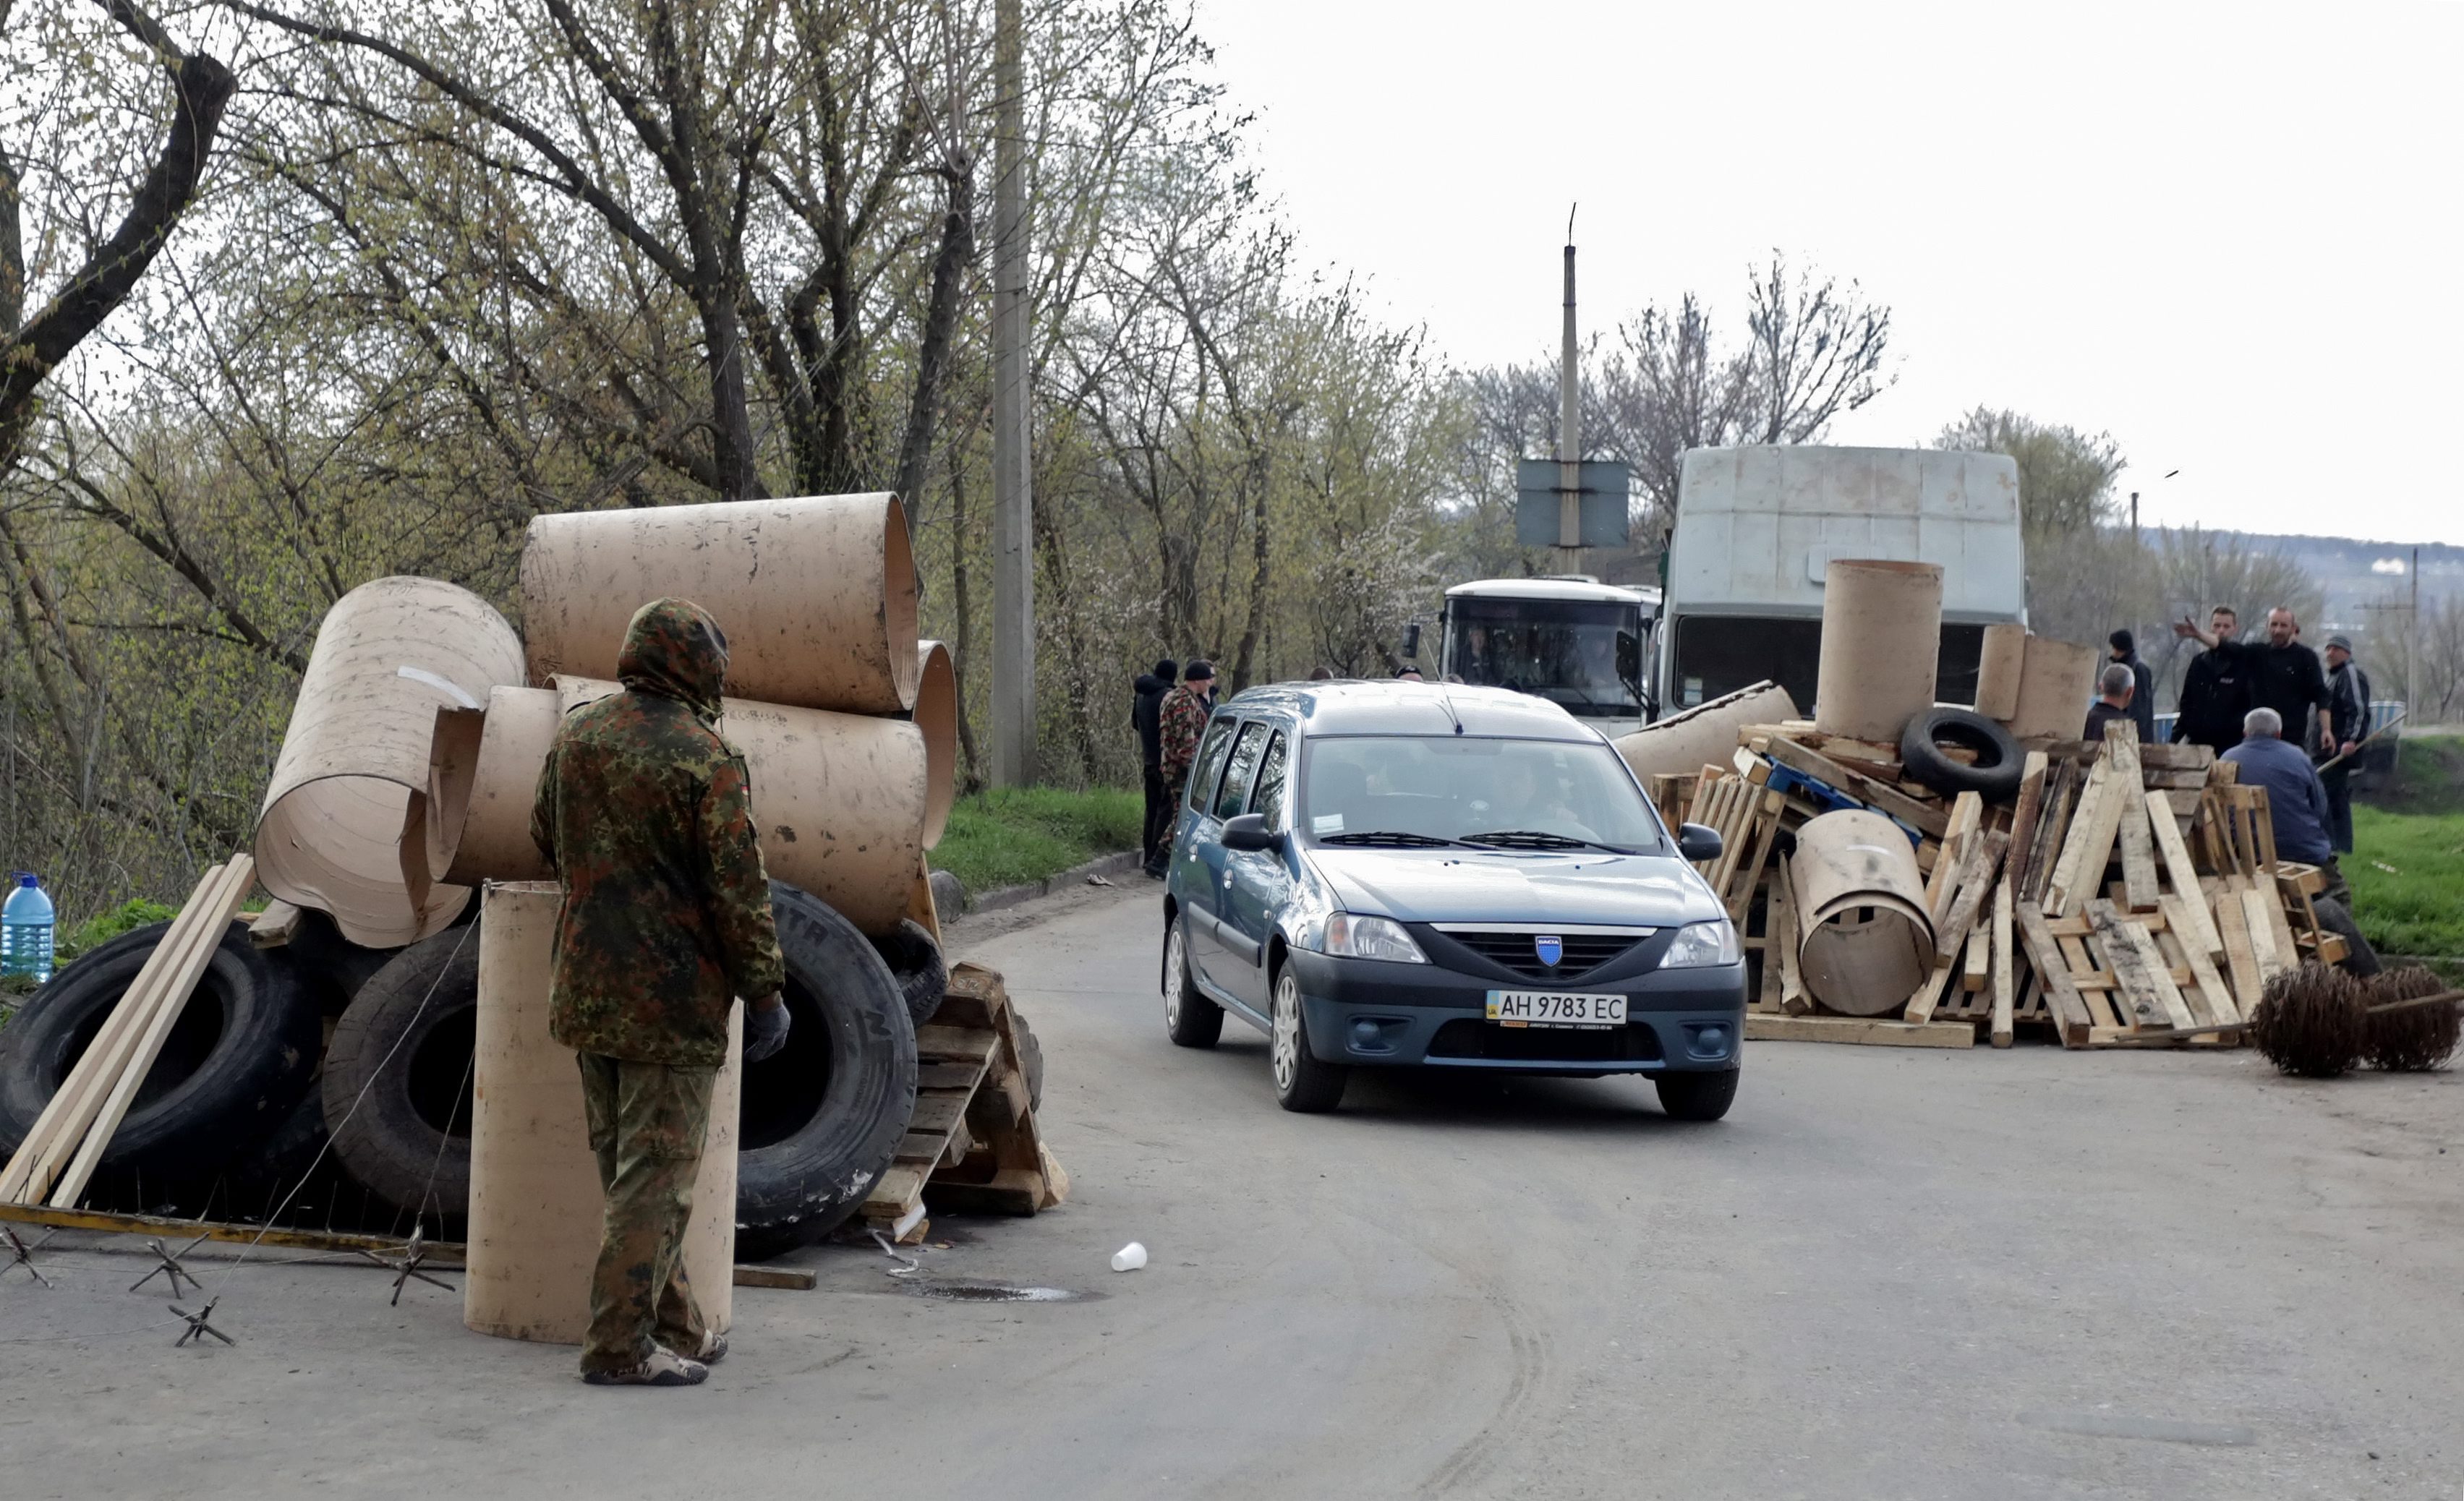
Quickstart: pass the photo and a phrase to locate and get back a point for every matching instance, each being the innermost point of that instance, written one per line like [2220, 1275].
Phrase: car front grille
[1466, 1038]
[1584, 952]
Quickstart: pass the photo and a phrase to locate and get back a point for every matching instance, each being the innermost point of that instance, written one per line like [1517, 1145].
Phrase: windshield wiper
[1539, 840]
[1389, 836]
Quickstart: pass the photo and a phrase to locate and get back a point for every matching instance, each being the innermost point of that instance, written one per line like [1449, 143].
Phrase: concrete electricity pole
[1570, 421]
[1013, 497]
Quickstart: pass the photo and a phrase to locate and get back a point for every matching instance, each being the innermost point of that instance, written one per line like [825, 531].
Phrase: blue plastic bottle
[26, 931]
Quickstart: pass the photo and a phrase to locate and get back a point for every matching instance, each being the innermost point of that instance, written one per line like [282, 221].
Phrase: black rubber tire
[915, 960]
[275, 1166]
[822, 1117]
[331, 968]
[1313, 1085]
[2360, 961]
[1189, 1018]
[401, 1055]
[1999, 765]
[1030, 1055]
[1697, 1097]
[241, 1056]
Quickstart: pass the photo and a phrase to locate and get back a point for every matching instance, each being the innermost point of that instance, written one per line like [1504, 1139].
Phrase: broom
[2312, 1022]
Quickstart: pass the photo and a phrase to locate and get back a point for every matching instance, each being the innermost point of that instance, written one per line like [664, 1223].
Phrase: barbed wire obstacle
[21, 1254]
[414, 1251]
[198, 1328]
[168, 1264]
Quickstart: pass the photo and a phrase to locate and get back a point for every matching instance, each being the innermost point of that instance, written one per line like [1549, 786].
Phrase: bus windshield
[1584, 654]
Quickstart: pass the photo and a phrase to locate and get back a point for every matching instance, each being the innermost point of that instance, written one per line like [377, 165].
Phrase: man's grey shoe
[713, 1348]
[663, 1368]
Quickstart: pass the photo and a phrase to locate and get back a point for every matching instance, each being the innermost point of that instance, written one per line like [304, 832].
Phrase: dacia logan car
[1396, 874]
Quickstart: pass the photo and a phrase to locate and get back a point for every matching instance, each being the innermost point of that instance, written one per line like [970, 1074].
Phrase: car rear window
[1268, 798]
[1210, 762]
[1244, 763]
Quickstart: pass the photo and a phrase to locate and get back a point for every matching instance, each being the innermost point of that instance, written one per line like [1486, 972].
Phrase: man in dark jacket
[2215, 688]
[2142, 692]
[1145, 709]
[2114, 687]
[2283, 674]
[646, 815]
[2297, 805]
[2348, 716]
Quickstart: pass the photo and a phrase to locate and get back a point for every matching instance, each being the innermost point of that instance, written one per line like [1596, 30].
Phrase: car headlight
[1349, 937]
[1699, 944]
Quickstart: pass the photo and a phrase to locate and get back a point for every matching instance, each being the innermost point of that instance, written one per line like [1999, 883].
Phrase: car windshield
[1583, 654]
[1418, 791]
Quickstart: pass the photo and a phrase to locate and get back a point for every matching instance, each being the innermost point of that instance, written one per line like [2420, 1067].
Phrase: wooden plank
[2279, 932]
[2000, 959]
[239, 877]
[2026, 809]
[895, 1192]
[2201, 931]
[1959, 835]
[1867, 1030]
[2094, 829]
[2053, 823]
[1775, 941]
[274, 927]
[1010, 1190]
[1975, 888]
[1922, 817]
[954, 1044]
[2139, 885]
[165, 1228]
[2241, 959]
[2062, 999]
[2209, 983]
[2140, 970]
[792, 1279]
[1977, 971]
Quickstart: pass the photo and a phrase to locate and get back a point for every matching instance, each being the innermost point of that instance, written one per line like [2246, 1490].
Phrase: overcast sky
[2229, 235]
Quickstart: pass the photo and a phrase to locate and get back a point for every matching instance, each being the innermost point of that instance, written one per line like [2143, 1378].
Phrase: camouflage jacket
[646, 815]
[1183, 719]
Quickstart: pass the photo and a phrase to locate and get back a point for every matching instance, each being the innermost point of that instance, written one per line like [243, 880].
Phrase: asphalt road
[1887, 1273]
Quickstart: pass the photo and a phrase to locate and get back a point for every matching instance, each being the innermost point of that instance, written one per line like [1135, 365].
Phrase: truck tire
[822, 1117]
[1999, 761]
[241, 1054]
[331, 968]
[923, 975]
[397, 1087]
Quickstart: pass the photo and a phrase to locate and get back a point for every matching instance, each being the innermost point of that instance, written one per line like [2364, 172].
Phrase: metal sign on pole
[1013, 496]
[1564, 502]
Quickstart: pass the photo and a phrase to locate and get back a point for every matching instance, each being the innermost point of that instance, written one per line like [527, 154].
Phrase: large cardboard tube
[937, 714]
[1881, 645]
[2054, 688]
[389, 654]
[482, 779]
[1705, 734]
[536, 1206]
[817, 595]
[1865, 938]
[840, 799]
[2000, 664]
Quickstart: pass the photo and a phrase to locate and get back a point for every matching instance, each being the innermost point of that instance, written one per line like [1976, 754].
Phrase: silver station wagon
[1400, 874]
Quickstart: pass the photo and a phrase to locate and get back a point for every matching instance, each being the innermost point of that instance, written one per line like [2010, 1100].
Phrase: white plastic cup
[1129, 1258]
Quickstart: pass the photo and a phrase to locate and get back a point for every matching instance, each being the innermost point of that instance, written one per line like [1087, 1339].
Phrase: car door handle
[1227, 881]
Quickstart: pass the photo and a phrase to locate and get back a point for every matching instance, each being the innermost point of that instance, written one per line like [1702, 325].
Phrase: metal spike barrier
[198, 1328]
[168, 1265]
[22, 1255]
[404, 1270]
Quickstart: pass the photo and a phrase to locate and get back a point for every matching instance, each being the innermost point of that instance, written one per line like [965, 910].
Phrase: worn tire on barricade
[241, 1054]
[1999, 765]
[808, 1157]
[915, 961]
[401, 1055]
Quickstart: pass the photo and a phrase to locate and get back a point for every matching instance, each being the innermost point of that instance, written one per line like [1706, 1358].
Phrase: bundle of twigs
[2410, 1038]
[2312, 1022]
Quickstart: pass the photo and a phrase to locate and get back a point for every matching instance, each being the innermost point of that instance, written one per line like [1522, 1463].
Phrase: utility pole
[2412, 643]
[1570, 421]
[1013, 495]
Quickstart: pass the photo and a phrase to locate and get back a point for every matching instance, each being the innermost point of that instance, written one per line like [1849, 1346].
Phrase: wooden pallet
[973, 1141]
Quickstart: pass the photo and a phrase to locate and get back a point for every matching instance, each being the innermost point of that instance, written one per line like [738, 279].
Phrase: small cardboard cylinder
[817, 595]
[1705, 734]
[481, 784]
[1866, 939]
[2055, 686]
[937, 714]
[535, 1207]
[840, 799]
[1881, 645]
[388, 656]
[2000, 664]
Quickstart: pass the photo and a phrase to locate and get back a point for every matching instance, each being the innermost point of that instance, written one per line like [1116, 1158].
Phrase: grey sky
[2229, 235]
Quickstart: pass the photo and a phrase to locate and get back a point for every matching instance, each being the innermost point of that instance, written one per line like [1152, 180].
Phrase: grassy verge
[2406, 871]
[1007, 838]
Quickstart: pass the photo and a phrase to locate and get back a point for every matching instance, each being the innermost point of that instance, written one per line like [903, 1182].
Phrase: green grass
[104, 927]
[1010, 837]
[2406, 871]
[2428, 777]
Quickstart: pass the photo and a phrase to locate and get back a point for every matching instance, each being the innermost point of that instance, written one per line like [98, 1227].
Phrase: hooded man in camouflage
[646, 815]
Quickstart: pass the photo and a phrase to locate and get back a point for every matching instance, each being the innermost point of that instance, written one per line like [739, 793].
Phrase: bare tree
[2065, 475]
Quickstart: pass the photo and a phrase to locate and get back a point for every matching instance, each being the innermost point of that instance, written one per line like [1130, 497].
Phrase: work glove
[765, 1030]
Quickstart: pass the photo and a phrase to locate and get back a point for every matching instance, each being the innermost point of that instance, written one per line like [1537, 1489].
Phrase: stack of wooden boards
[2125, 894]
[58, 1157]
[973, 1137]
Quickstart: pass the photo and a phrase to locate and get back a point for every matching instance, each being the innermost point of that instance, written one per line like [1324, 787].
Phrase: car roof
[1395, 707]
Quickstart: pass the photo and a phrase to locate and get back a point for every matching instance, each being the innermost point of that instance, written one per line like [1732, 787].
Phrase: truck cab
[1757, 526]
[1572, 639]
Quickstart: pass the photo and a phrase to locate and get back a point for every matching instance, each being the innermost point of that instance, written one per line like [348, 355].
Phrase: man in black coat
[2283, 675]
[2348, 714]
[2143, 692]
[1144, 707]
[2215, 688]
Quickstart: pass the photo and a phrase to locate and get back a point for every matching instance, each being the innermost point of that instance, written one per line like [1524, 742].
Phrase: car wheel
[1192, 1019]
[1697, 1097]
[1301, 1082]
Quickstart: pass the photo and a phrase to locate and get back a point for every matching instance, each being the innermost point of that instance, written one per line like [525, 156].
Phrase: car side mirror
[1695, 841]
[1249, 832]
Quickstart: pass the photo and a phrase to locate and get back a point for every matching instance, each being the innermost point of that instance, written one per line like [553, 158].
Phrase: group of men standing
[1169, 719]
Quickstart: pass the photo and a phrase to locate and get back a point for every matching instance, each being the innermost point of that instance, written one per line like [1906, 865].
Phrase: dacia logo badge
[1549, 947]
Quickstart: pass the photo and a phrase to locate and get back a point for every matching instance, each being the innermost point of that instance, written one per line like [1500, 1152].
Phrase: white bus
[1569, 638]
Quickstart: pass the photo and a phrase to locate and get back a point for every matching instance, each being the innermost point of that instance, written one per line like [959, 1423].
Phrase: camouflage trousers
[647, 1122]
